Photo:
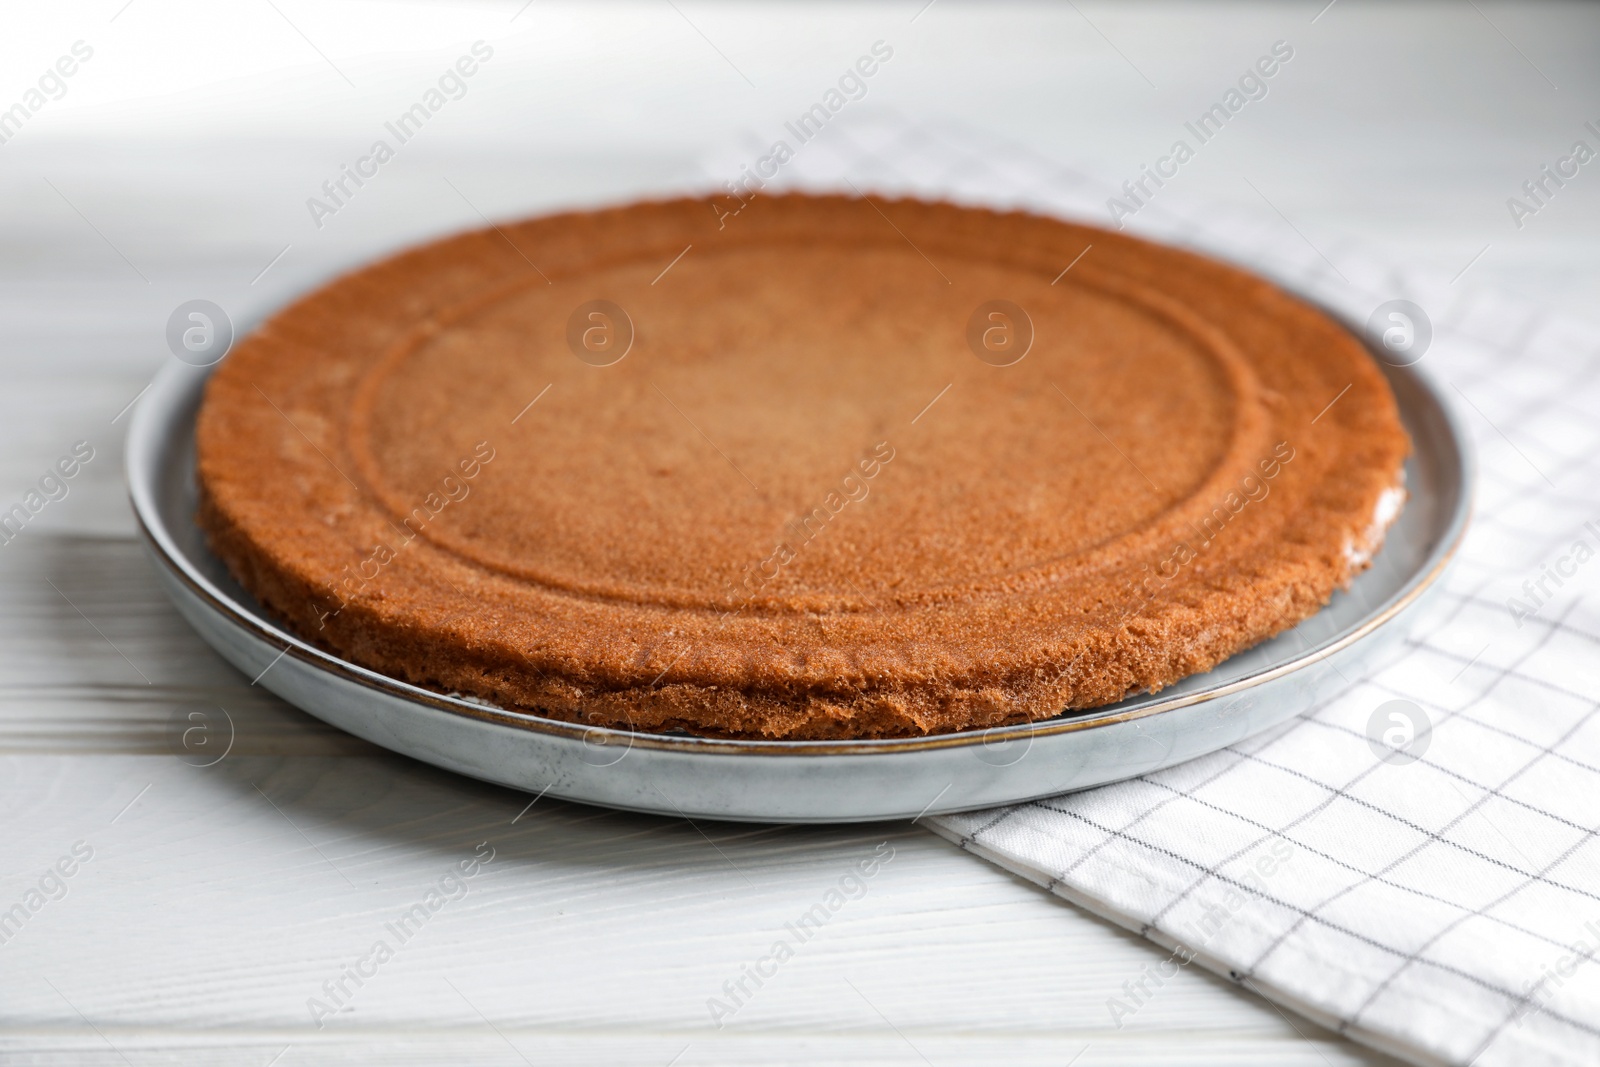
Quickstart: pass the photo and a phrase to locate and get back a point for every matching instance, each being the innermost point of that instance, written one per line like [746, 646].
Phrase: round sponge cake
[828, 468]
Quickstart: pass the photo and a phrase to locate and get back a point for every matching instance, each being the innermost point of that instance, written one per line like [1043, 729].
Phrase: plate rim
[160, 417]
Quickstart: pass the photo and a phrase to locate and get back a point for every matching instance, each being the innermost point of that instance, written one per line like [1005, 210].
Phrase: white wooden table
[220, 903]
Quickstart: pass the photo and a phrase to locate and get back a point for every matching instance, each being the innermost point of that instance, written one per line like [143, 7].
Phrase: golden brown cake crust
[800, 505]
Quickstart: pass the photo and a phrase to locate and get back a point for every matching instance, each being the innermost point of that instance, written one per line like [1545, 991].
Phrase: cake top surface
[825, 453]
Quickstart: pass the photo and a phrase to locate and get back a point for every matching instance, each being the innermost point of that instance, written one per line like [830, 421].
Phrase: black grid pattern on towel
[1446, 910]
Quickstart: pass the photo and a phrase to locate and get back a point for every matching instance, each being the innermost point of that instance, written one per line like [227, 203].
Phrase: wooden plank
[218, 901]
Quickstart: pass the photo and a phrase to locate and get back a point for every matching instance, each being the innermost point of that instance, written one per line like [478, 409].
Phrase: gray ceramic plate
[809, 781]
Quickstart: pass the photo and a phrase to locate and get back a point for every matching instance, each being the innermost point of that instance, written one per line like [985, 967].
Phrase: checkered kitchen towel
[1445, 910]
